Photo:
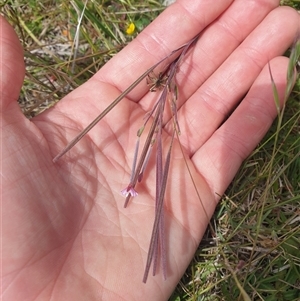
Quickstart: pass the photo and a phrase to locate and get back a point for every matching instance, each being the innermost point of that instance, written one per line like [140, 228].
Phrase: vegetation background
[255, 253]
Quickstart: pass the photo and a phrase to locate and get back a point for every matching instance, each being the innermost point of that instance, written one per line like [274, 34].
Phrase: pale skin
[66, 235]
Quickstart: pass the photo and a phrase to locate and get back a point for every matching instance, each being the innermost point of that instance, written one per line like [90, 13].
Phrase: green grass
[257, 223]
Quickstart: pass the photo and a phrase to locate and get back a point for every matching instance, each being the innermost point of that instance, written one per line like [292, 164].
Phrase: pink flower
[129, 190]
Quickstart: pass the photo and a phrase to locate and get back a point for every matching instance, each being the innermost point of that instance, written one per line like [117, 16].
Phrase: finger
[176, 25]
[215, 44]
[220, 94]
[221, 156]
[11, 66]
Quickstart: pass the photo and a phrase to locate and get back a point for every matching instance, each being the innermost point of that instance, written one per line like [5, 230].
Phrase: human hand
[66, 235]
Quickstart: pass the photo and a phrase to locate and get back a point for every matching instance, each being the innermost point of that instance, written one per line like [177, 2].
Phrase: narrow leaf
[158, 213]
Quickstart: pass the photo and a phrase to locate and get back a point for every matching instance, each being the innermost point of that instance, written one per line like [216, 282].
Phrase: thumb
[12, 69]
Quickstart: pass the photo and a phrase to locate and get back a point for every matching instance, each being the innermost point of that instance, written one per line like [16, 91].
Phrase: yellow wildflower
[130, 29]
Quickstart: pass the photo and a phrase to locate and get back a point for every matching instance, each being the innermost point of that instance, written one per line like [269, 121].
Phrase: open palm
[66, 235]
